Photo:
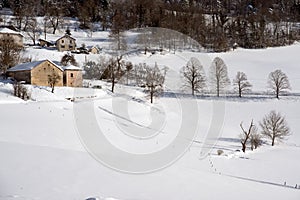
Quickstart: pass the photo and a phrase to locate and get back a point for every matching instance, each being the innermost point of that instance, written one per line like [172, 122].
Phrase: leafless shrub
[20, 91]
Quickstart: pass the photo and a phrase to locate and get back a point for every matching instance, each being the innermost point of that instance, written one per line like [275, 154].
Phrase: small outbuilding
[36, 73]
[45, 43]
[94, 50]
[72, 76]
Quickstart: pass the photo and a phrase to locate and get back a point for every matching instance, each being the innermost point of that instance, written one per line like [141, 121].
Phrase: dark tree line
[216, 25]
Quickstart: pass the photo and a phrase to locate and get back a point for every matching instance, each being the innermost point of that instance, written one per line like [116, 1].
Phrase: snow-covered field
[44, 154]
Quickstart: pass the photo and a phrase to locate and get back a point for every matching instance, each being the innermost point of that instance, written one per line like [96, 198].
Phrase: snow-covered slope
[44, 155]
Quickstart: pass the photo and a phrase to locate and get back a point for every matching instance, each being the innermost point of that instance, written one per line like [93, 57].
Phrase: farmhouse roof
[72, 67]
[9, 31]
[66, 36]
[30, 65]
[68, 67]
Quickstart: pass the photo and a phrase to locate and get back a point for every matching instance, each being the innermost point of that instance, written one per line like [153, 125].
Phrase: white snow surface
[42, 156]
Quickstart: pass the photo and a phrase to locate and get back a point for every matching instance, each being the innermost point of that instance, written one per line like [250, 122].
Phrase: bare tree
[154, 81]
[54, 13]
[278, 82]
[193, 75]
[23, 10]
[219, 75]
[92, 70]
[274, 126]
[241, 83]
[128, 67]
[246, 134]
[144, 39]
[118, 39]
[33, 30]
[9, 53]
[139, 74]
[53, 80]
[114, 70]
[97, 70]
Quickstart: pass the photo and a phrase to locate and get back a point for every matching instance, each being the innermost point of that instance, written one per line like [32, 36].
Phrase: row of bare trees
[273, 126]
[116, 70]
[194, 78]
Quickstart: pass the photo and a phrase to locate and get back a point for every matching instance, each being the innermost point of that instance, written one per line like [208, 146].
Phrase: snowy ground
[43, 157]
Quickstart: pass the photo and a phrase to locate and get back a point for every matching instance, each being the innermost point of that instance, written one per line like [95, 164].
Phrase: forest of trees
[216, 25]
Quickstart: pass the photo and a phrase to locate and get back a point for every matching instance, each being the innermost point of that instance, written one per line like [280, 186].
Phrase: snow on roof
[67, 36]
[9, 31]
[30, 65]
[71, 67]
[68, 67]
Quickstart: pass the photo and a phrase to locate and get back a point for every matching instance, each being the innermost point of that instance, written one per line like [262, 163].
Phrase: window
[70, 41]
[62, 46]
[71, 75]
[62, 41]
[70, 46]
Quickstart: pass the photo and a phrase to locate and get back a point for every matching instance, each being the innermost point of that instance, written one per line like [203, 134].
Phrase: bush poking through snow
[255, 140]
[220, 152]
[20, 91]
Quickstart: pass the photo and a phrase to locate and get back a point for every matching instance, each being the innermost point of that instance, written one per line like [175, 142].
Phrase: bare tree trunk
[112, 80]
[193, 88]
[218, 89]
[246, 135]
[273, 140]
[243, 146]
[151, 94]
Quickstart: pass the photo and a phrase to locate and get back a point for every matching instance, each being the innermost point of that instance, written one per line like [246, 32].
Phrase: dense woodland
[216, 25]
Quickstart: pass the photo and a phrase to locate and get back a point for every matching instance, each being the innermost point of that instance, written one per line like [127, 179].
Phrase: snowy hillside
[46, 153]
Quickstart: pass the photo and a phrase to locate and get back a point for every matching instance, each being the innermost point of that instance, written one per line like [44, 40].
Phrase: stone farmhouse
[37, 72]
[66, 43]
[16, 36]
